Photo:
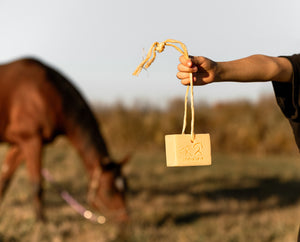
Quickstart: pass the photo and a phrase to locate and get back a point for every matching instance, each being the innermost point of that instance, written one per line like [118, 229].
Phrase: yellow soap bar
[182, 151]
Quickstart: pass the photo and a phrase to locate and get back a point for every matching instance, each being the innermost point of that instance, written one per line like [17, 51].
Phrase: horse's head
[107, 190]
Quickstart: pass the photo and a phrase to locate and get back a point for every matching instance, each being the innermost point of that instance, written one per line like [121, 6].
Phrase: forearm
[255, 68]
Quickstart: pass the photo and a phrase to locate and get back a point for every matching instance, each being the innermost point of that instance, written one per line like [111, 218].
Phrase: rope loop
[160, 47]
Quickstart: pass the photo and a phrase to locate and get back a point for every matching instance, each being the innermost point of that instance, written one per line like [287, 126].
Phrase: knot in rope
[160, 47]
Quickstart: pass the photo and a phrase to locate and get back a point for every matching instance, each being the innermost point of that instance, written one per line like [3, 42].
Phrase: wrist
[220, 72]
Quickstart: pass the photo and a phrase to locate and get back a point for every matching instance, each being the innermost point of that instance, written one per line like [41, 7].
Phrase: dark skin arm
[255, 68]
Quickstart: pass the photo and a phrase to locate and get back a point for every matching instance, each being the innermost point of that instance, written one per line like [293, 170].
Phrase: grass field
[239, 198]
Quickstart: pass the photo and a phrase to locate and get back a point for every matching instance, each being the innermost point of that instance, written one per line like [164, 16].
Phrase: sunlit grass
[238, 198]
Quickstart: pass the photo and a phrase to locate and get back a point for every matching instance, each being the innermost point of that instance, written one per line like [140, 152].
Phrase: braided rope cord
[160, 47]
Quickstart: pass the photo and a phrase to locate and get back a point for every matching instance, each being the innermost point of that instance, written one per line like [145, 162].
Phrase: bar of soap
[182, 151]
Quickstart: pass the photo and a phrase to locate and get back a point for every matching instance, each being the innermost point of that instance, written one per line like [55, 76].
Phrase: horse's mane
[75, 107]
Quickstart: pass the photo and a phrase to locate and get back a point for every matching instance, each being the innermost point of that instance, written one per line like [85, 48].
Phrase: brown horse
[37, 104]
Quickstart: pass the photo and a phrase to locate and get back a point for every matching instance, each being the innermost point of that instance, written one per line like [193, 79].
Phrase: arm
[256, 68]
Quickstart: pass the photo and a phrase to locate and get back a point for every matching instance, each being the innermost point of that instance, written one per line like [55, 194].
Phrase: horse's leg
[31, 148]
[11, 162]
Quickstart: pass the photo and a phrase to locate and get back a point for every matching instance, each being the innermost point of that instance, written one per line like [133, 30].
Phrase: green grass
[237, 199]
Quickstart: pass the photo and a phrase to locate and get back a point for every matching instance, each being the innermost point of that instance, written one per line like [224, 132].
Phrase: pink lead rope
[87, 214]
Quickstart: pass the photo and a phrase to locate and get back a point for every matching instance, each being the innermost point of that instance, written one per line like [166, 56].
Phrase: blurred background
[250, 193]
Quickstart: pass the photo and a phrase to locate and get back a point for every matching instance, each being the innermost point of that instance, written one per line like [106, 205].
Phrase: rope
[159, 47]
[87, 214]
[94, 184]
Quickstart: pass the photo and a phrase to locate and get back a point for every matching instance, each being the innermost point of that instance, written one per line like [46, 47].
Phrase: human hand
[204, 70]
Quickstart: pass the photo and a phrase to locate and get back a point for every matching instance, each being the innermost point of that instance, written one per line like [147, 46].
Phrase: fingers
[185, 61]
[184, 77]
[187, 81]
[185, 67]
[203, 69]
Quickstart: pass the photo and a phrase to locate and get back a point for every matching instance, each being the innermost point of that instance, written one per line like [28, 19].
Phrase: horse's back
[29, 103]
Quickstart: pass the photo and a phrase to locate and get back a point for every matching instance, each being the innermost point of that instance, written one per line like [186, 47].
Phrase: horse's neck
[90, 146]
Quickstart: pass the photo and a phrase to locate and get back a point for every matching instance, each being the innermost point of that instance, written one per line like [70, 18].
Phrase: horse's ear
[126, 159]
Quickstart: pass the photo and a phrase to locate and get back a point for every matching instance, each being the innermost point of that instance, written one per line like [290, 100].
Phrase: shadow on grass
[4, 238]
[286, 193]
[186, 218]
[280, 193]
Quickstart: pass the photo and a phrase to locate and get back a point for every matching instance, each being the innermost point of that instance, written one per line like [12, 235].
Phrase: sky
[98, 44]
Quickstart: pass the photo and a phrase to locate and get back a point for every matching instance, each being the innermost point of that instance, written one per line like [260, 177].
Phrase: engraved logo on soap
[192, 151]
